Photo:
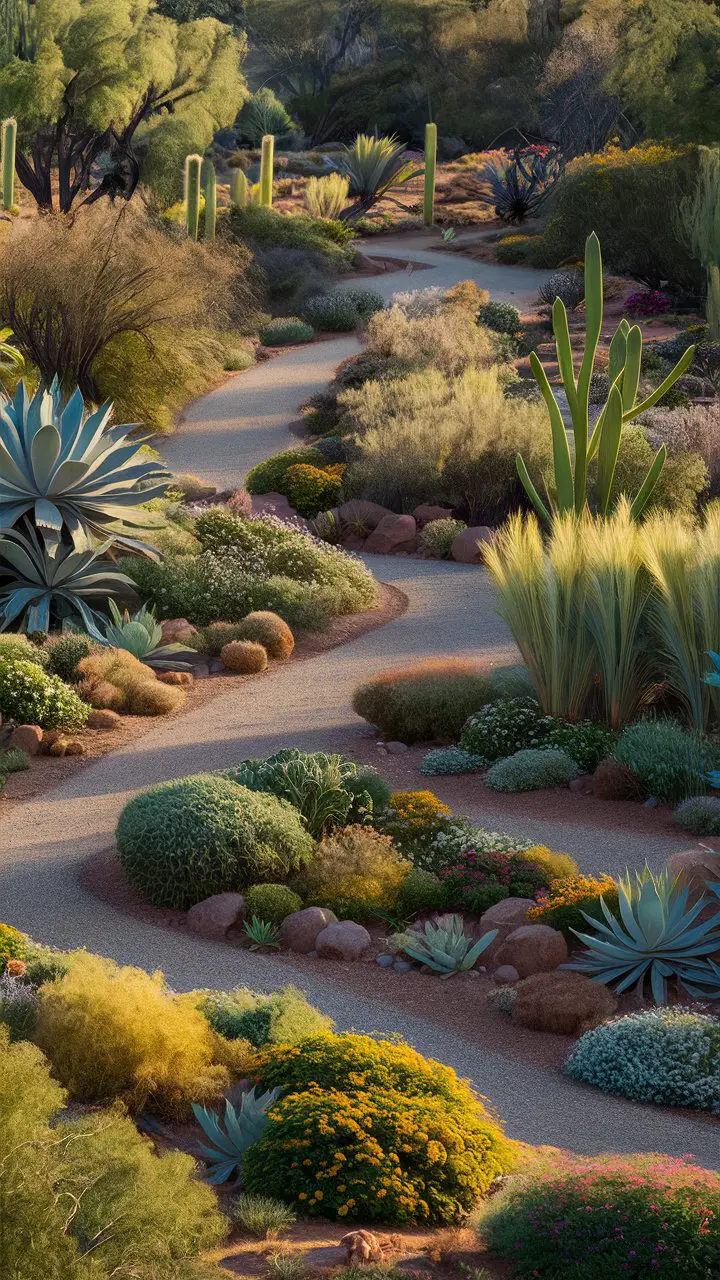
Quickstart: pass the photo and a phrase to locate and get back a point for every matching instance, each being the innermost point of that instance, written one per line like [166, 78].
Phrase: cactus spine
[193, 167]
[430, 164]
[622, 405]
[210, 200]
[239, 189]
[9, 140]
[699, 223]
[266, 170]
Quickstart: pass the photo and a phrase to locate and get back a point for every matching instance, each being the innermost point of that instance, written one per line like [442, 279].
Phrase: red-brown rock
[360, 514]
[694, 868]
[343, 940]
[391, 533]
[505, 916]
[215, 915]
[614, 781]
[276, 504]
[465, 546]
[28, 737]
[427, 512]
[175, 677]
[533, 948]
[299, 930]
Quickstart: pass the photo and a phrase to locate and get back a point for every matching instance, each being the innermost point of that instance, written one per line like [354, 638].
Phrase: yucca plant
[35, 586]
[444, 947]
[262, 933]
[141, 634]
[68, 469]
[243, 1126]
[374, 167]
[657, 937]
[515, 184]
[570, 476]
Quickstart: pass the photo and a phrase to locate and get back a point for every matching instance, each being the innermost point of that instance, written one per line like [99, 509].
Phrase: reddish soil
[46, 772]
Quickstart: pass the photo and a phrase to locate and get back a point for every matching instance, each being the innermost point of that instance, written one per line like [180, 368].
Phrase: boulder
[505, 916]
[177, 630]
[193, 488]
[562, 1002]
[533, 948]
[28, 737]
[175, 677]
[583, 785]
[391, 533]
[299, 930]
[360, 513]
[354, 542]
[694, 867]
[104, 720]
[276, 504]
[614, 781]
[343, 940]
[215, 915]
[465, 545]
[427, 512]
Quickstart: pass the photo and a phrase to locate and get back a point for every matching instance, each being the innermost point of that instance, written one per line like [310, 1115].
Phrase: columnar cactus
[239, 189]
[266, 171]
[193, 167]
[210, 200]
[625, 358]
[9, 140]
[430, 163]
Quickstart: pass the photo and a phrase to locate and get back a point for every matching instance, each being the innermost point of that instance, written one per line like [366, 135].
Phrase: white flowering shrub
[418, 304]
[28, 695]
[666, 1056]
[457, 835]
[503, 727]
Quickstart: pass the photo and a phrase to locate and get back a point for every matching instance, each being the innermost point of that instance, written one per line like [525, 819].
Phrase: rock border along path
[45, 841]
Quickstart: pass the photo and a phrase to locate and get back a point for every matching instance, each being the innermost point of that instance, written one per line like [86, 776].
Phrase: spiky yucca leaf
[242, 1128]
[657, 937]
[34, 584]
[66, 468]
[374, 166]
[445, 947]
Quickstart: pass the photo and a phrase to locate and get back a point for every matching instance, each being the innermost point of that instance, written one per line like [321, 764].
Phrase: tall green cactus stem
[210, 200]
[699, 224]
[9, 141]
[239, 189]
[266, 170]
[193, 169]
[625, 359]
[430, 165]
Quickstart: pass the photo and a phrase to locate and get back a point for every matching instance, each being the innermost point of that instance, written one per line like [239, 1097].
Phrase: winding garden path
[45, 841]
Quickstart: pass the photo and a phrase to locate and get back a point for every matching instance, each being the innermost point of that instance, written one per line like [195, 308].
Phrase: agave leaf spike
[683, 363]
[608, 449]
[561, 448]
[647, 487]
[631, 374]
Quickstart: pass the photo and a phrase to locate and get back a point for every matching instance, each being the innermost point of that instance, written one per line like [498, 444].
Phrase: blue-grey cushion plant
[658, 936]
[569, 488]
[69, 470]
[244, 1125]
[141, 635]
[35, 585]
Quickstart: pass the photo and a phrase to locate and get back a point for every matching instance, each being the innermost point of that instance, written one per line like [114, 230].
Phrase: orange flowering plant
[562, 905]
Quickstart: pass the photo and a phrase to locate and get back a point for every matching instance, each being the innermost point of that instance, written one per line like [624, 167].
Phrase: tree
[103, 75]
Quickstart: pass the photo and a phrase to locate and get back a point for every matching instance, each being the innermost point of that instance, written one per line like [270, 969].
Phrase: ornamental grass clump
[326, 789]
[597, 1217]
[700, 815]
[182, 841]
[666, 1056]
[269, 630]
[244, 656]
[532, 770]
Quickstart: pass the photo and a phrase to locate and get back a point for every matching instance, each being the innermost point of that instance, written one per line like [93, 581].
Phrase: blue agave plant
[34, 585]
[658, 937]
[243, 1127]
[64, 468]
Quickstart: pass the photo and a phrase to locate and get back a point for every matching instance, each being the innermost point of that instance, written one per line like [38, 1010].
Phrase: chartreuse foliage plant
[29, 695]
[634, 1216]
[666, 1056]
[657, 937]
[570, 481]
[283, 1017]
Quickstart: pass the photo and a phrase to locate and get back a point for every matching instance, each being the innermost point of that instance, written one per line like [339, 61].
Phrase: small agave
[444, 947]
[261, 933]
[658, 937]
[141, 634]
[244, 1125]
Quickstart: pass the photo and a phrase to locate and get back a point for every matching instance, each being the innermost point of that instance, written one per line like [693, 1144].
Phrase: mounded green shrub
[332, 312]
[271, 902]
[438, 536]
[17, 648]
[531, 770]
[700, 815]
[501, 728]
[181, 841]
[284, 1017]
[665, 1056]
[431, 701]
[64, 654]
[670, 761]
[501, 317]
[365, 301]
[420, 891]
[451, 760]
[270, 631]
[268, 476]
[286, 332]
[267, 228]
[584, 741]
[28, 695]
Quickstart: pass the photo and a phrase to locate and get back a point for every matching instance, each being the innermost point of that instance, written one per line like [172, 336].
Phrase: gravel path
[44, 842]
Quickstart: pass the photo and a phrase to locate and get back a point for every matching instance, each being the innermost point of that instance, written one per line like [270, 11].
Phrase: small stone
[396, 748]
[385, 961]
[382, 750]
[104, 720]
[343, 940]
[311, 955]
[175, 677]
[276, 504]
[28, 737]
[215, 667]
[465, 546]
[652, 802]
[299, 930]
[215, 915]
[401, 966]
[202, 671]
[504, 974]
[391, 532]
[583, 785]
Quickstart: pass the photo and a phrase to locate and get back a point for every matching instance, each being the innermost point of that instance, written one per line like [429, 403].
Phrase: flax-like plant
[618, 595]
[543, 598]
[684, 563]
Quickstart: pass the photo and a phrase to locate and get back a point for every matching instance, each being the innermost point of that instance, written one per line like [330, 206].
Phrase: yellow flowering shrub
[563, 904]
[378, 1155]
[414, 818]
[311, 489]
[354, 870]
[559, 866]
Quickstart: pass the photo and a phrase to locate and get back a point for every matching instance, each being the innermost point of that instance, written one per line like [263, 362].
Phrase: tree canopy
[101, 77]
